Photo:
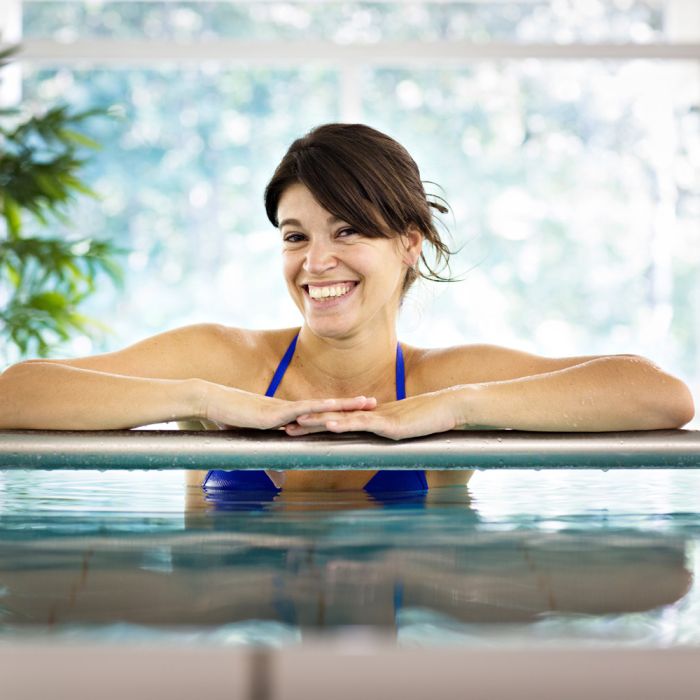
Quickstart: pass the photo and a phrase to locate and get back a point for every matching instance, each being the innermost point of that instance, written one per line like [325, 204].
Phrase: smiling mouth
[329, 292]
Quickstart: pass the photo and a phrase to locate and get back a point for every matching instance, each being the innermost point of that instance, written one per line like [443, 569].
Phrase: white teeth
[337, 290]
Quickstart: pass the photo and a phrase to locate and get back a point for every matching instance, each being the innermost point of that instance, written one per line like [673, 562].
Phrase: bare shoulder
[437, 368]
[256, 353]
[230, 355]
[209, 351]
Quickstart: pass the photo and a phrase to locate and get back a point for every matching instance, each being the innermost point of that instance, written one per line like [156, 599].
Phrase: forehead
[297, 202]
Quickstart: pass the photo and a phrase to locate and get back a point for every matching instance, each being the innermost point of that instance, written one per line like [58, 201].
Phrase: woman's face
[341, 280]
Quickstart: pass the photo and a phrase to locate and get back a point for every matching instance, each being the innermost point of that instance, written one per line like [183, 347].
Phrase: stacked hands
[412, 417]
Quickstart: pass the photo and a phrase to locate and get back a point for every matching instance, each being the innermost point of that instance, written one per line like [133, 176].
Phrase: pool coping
[256, 449]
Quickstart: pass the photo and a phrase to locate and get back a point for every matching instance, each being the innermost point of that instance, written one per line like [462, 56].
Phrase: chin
[329, 328]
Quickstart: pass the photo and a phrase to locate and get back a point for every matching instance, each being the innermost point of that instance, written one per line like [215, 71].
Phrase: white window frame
[682, 21]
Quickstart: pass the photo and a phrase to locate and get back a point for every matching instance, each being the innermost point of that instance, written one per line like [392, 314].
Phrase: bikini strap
[282, 367]
[400, 374]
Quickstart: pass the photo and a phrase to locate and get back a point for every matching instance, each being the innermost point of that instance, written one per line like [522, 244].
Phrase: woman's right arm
[162, 378]
[52, 396]
[187, 373]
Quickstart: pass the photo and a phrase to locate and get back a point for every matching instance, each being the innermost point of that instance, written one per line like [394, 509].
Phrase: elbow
[8, 393]
[674, 402]
[17, 382]
[682, 408]
[7, 413]
[14, 374]
[666, 400]
[19, 368]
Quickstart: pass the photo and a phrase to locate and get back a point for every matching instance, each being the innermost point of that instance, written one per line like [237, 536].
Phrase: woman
[353, 219]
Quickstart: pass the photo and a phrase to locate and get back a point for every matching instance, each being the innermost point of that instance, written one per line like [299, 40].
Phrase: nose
[319, 256]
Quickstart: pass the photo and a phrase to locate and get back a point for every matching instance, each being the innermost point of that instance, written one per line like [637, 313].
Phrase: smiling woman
[336, 274]
[381, 196]
[353, 218]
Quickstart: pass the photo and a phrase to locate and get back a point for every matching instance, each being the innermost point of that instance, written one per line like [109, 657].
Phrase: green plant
[45, 279]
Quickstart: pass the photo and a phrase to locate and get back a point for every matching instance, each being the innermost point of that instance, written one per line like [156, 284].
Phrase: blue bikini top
[387, 480]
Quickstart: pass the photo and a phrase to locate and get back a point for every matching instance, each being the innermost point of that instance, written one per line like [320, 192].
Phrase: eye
[293, 237]
[344, 233]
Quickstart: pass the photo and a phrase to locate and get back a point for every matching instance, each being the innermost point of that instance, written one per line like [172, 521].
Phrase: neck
[363, 363]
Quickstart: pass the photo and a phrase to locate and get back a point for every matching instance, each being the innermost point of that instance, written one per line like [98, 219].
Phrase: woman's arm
[190, 372]
[608, 393]
[52, 396]
[151, 381]
[620, 392]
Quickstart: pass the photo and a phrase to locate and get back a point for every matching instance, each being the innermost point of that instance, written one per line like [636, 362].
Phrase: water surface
[542, 557]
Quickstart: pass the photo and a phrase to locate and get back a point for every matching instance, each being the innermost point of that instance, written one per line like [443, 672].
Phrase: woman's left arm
[619, 392]
[608, 393]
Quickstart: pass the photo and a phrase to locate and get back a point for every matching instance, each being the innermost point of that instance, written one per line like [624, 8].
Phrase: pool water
[578, 557]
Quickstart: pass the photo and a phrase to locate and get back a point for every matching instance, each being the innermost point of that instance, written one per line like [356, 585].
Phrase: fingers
[315, 407]
[340, 420]
[309, 420]
[360, 403]
[345, 422]
[296, 430]
[337, 421]
[379, 426]
[356, 403]
[286, 412]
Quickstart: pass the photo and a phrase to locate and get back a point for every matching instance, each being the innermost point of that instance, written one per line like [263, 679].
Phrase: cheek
[390, 262]
[374, 259]
[289, 267]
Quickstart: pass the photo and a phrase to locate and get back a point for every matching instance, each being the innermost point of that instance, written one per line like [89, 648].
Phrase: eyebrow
[295, 222]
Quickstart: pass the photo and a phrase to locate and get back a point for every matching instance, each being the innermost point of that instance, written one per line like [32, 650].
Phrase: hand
[424, 414]
[229, 407]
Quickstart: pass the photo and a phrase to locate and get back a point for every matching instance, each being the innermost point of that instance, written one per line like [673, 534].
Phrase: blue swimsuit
[395, 480]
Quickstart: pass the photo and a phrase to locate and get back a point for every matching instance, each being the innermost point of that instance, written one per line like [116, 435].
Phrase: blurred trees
[44, 279]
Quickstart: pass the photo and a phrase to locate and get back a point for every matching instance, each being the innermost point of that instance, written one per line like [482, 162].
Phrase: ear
[412, 240]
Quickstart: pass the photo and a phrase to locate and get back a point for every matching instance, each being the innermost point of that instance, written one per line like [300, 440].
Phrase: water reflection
[315, 561]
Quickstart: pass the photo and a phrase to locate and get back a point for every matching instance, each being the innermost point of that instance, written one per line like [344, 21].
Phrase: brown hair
[357, 173]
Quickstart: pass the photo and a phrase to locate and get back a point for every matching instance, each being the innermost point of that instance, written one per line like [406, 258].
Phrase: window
[564, 134]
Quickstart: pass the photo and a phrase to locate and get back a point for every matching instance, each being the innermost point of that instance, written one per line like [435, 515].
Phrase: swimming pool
[521, 560]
